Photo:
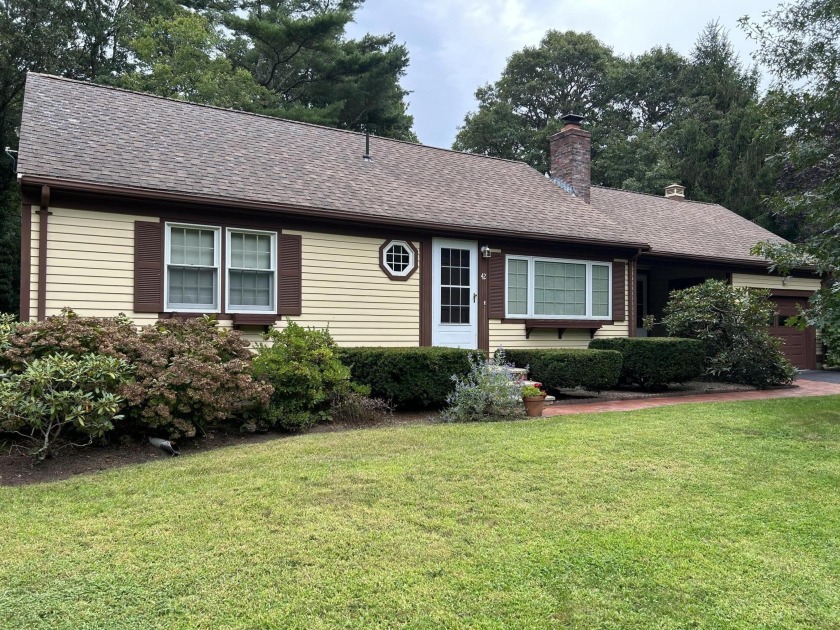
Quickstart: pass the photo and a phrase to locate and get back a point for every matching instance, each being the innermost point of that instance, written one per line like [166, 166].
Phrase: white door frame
[455, 335]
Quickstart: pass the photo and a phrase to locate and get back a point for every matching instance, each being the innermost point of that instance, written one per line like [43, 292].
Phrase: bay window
[553, 288]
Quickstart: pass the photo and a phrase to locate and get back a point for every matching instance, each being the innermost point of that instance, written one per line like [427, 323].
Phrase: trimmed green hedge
[562, 367]
[653, 362]
[411, 378]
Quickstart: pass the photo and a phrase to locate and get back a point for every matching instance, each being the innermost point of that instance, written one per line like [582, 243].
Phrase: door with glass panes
[455, 293]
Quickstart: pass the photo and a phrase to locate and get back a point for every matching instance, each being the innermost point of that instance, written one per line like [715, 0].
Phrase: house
[155, 208]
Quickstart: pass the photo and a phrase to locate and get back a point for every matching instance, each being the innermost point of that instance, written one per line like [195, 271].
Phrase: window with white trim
[398, 258]
[192, 258]
[554, 288]
[251, 271]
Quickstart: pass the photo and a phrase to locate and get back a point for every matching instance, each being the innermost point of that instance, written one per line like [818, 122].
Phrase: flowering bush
[189, 374]
[487, 392]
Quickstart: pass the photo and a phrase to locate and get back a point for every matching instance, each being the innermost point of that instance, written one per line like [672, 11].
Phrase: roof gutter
[307, 211]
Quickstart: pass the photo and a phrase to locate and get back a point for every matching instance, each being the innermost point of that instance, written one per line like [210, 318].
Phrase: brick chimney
[675, 192]
[571, 156]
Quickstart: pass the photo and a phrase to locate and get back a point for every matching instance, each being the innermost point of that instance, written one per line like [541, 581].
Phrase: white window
[192, 260]
[398, 258]
[552, 288]
[251, 271]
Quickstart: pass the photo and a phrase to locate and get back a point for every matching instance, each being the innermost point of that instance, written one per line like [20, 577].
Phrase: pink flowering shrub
[189, 374]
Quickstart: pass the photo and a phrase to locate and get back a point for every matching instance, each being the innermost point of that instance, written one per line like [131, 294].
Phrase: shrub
[487, 392]
[562, 368]
[303, 367]
[355, 407]
[192, 375]
[410, 378]
[62, 393]
[732, 324]
[189, 374]
[654, 362]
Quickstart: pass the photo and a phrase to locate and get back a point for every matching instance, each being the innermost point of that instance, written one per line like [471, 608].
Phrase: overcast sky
[457, 45]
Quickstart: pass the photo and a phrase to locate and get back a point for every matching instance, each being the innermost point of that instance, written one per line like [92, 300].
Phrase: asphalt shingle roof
[93, 134]
[687, 228]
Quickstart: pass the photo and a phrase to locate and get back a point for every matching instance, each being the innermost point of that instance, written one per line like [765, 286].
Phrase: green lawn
[718, 516]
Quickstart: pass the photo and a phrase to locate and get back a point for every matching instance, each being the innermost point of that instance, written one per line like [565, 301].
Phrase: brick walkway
[802, 388]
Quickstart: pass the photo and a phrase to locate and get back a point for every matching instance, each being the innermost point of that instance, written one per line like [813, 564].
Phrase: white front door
[454, 293]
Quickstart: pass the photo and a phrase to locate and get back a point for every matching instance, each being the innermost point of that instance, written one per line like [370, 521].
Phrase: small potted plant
[534, 400]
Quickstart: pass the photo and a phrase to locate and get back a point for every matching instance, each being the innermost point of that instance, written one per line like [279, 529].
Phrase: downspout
[43, 213]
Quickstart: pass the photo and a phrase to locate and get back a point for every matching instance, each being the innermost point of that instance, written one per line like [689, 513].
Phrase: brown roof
[683, 228]
[87, 133]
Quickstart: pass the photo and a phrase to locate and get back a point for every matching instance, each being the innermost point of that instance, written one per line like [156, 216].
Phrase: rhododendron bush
[188, 374]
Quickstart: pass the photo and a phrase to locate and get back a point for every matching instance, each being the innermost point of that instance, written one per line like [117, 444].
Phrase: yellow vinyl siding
[90, 263]
[513, 335]
[775, 282]
[345, 290]
[33, 269]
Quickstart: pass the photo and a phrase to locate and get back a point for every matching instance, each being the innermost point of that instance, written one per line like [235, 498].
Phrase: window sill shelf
[592, 325]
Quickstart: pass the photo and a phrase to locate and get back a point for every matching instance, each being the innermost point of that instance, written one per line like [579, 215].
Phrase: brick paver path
[803, 388]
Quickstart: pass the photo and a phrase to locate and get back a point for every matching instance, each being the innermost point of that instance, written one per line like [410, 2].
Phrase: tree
[180, 57]
[800, 44]
[296, 49]
[655, 118]
[567, 72]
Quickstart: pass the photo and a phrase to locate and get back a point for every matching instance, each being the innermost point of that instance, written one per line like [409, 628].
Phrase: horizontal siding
[513, 335]
[345, 290]
[33, 269]
[775, 282]
[90, 263]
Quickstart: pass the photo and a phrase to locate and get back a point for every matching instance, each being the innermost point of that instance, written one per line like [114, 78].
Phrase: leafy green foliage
[655, 362]
[732, 324]
[487, 392]
[655, 118]
[799, 43]
[303, 367]
[62, 393]
[355, 407]
[564, 368]
[189, 374]
[410, 378]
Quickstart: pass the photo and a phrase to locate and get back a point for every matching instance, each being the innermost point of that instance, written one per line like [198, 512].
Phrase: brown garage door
[800, 346]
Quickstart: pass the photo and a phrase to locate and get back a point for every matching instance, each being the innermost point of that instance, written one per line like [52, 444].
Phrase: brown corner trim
[791, 293]
[43, 224]
[384, 267]
[483, 306]
[25, 261]
[426, 292]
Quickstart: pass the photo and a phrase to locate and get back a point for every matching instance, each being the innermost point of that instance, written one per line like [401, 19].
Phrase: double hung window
[194, 268]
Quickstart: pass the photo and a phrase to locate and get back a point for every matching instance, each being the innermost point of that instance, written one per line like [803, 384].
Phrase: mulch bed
[16, 468]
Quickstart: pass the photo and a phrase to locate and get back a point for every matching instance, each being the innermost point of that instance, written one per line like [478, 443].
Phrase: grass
[713, 516]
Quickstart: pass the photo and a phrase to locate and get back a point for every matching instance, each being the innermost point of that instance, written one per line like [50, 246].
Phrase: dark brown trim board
[43, 224]
[483, 298]
[426, 292]
[799, 293]
[307, 212]
[387, 271]
[25, 260]
[632, 296]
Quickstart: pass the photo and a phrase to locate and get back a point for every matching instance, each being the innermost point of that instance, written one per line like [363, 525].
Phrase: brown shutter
[148, 267]
[289, 301]
[619, 280]
[496, 290]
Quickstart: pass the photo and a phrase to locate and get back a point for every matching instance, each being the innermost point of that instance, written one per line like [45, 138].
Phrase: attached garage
[800, 346]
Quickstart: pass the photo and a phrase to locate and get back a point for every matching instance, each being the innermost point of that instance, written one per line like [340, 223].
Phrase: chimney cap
[572, 119]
